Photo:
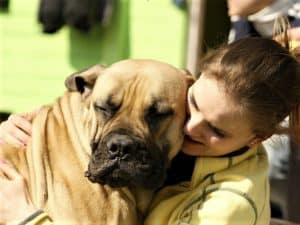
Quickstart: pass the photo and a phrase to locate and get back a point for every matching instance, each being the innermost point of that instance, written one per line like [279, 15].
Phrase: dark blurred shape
[4, 5]
[100, 9]
[79, 14]
[180, 3]
[4, 116]
[82, 15]
[50, 15]
[276, 211]
[181, 169]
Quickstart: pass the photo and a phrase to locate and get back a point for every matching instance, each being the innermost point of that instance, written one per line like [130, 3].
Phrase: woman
[244, 91]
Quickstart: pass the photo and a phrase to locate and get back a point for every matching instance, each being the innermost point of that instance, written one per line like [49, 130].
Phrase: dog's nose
[120, 145]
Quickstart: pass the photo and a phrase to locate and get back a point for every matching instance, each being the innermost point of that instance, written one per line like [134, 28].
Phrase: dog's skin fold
[98, 153]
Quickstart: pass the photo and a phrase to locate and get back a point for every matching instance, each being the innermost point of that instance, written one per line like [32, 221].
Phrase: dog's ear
[84, 80]
[190, 79]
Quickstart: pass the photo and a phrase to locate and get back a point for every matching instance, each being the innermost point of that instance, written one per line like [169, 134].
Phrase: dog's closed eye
[107, 110]
[160, 114]
[157, 113]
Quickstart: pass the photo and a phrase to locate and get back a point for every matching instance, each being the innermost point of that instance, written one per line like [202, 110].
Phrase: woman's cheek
[213, 140]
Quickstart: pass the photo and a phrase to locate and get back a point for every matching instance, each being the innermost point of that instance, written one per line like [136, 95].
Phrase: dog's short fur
[118, 127]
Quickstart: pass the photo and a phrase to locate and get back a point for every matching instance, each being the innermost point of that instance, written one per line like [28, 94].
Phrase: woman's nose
[192, 126]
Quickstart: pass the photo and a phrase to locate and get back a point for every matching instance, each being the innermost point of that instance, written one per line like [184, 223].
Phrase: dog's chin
[119, 174]
[113, 181]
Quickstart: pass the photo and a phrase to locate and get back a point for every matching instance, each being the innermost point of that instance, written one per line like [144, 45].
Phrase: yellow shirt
[222, 191]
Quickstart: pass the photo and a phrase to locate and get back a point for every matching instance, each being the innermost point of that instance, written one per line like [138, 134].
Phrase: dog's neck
[143, 199]
[74, 117]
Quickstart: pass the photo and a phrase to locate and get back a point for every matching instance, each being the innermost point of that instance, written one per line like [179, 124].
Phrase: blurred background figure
[256, 17]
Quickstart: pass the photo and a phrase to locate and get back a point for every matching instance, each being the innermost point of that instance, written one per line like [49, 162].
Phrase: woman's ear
[83, 81]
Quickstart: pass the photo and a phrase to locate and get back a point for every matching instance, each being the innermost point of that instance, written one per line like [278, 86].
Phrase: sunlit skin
[216, 124]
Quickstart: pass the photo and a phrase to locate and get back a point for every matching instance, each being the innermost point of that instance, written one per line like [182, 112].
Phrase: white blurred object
[263, 20]
[278, 149]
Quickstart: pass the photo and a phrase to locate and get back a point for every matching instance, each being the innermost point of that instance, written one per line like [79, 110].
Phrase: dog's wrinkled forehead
[139, 78]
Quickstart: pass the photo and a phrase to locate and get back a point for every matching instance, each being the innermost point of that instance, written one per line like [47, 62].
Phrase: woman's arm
[16, 206]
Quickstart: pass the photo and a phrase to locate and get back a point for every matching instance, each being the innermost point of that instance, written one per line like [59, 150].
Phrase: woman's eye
[218, 132]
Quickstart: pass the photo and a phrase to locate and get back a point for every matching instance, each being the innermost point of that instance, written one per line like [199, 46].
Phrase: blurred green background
[34, 65]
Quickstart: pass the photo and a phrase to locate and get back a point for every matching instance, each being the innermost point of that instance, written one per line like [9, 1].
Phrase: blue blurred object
[242, 28]
[180, 3]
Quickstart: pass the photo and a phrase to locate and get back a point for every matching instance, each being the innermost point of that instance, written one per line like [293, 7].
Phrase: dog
[101, 150]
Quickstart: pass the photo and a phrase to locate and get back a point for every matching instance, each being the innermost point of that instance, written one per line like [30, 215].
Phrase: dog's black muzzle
[123, 159]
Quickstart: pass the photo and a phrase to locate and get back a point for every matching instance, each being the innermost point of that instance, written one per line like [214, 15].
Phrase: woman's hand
[246, 7]
[15, 204]
[16, 130]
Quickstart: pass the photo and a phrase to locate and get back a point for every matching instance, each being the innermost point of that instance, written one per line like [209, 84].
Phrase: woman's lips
[191, 140]
[192, 147]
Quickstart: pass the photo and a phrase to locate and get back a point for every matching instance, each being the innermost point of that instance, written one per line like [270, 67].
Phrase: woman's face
[216, 125]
